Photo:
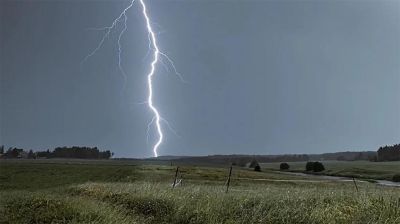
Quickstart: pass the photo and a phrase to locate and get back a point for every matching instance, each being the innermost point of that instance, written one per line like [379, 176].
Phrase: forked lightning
[157, 54]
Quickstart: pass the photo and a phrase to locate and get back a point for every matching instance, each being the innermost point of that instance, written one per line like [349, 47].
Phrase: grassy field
[358, 169]
[76, 191]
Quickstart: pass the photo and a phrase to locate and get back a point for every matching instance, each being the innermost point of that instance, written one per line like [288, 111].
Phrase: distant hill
[345, 156]
[170, 157]
[242, 159]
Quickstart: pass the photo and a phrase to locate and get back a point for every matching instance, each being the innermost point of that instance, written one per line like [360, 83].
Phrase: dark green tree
[309, 166]
[13, 152]
[315, 166]
[284, 166]
[389, 153]
[318, 167]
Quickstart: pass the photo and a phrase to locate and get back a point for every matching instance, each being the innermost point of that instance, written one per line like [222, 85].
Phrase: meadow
[89, 191]
[357, 169]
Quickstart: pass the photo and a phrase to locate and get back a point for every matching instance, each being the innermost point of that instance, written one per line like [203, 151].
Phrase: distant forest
[59, 152]
[389, 153]
[386, 153]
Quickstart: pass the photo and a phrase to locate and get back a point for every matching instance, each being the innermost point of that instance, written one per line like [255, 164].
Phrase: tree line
[59, 152]
[389, 153]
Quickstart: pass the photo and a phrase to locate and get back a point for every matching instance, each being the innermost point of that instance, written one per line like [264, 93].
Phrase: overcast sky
[262, 77]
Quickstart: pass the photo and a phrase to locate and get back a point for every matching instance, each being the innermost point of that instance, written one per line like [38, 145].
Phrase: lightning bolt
[107, 33]
[156, 53]
[157, 57]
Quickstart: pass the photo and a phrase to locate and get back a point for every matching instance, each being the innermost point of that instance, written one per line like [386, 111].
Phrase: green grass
[114, 192]
[359, 169]
[34, 175]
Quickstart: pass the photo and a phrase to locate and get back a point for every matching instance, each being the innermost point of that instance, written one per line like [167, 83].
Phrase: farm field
[358, 169]
[80, 191]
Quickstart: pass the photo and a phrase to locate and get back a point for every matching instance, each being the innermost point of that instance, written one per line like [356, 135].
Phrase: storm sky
[262, 77]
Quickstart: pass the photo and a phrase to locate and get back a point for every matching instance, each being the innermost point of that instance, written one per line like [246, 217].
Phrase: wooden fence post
[176, 176]
[229, 180]
[355, 184]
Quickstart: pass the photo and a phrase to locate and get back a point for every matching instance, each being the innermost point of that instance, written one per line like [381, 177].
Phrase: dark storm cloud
[264, 77]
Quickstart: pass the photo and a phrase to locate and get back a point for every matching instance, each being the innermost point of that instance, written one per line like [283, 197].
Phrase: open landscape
[199, 112]
[112, 191]
[359, 169]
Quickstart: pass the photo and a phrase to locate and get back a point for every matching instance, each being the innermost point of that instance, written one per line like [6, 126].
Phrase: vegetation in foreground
[115, 193]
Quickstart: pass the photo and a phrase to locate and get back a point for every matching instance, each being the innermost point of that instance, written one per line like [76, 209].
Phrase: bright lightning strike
[157, 57]
[150, 79]
[108, 30]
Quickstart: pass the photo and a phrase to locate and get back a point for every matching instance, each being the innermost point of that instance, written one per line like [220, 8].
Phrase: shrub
[257, 168]
[284, 166]
[253, 163]
[318, 167]
[396, 178]
[310, 166]
[315, 166]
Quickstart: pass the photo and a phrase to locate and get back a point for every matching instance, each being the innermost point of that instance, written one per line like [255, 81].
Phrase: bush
[253, 163]
[310, 166]
[396, 178]
[257, 168]
[284, 166]
[315, 166]
[318, 167]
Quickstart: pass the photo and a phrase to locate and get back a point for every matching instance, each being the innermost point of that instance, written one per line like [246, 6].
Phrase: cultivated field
[76, 191]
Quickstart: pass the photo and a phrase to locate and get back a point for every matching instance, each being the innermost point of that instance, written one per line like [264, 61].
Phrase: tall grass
[145, 202]
[201, 200]
[258, 204]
